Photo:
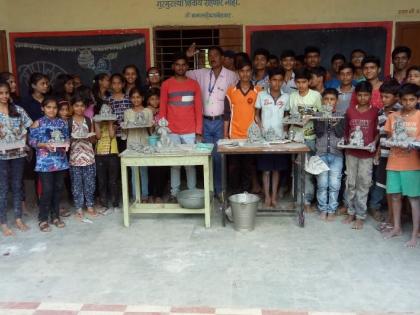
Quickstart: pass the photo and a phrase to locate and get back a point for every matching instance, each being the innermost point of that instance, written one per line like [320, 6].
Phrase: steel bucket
[244, 211]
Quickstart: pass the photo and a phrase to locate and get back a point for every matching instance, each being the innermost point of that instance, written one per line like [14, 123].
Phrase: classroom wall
[64, 15]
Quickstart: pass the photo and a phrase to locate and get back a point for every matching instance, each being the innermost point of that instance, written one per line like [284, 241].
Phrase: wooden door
[4, 62]
[407, 34]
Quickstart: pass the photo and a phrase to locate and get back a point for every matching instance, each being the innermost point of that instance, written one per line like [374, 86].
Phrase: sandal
[58, 223]
[384, 226]
[92, 212]
[65, 213]
[44, 226]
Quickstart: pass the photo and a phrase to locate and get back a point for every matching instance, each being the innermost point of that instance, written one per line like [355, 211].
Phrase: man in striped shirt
[181, 105]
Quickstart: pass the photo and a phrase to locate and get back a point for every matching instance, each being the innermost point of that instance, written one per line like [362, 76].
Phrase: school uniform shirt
[13, 128]
[402, 159]
[33, 108]
[343, 101]
[368, 122]
[290, 85]
[272, 110]
[47, 161]
[105, 144]
[240, 110]
[118, 108]
[263, 83]
[81, 150]
[181, 105]
[298, 103]
[137, 135]
[213, 91]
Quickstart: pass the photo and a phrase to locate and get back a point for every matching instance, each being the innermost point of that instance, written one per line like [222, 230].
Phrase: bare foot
[342, 210]
[21, 226]
[331, 217]
[411, 243]
[274, 202]
[79, 214]
[6, 230]
[92, 212]
[267, 202]
[349, 219]
[357, 225]
[158, 200]
[323, 216]
[393, 233]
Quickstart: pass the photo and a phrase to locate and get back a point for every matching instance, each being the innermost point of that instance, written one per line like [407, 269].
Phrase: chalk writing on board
[52, 70]
[168, 4]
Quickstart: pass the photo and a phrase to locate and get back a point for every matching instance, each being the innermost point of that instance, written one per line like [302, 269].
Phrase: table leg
[125, 195]
[301, 215]
[137, 183]
[224, 189]
[207, 210]
[211, 175]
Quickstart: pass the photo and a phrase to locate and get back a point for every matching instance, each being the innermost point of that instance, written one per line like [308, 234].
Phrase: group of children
[267, 90]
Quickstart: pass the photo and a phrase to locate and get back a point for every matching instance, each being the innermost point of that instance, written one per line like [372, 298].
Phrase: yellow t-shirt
[106, 145]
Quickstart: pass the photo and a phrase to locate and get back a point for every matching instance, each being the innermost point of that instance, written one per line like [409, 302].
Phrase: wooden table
[186, 155]
[286, 148]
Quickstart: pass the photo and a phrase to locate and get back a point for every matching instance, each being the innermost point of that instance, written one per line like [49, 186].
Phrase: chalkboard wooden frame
[17, 35]
[250, 29]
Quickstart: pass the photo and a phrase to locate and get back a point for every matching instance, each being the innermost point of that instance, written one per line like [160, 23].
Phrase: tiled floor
[31, 308]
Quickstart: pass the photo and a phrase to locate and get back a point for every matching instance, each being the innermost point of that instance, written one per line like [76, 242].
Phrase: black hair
[303, 74]
[390, 86]
[5, 77]
[137, 83]
[300, 58]
[218, 48]
[273, 57]
[243, 63]
[276, 71]
[371, 59]
[47, 100]
[34, 79]
[401, 49]
[121, 77]
[95, 86]
[338, 57]
[85, 93]
[408, 89]
[179, 56]
[79, 97]
[358, 50]
[59, 90]
[261, 51]
[346, 65]
[239, 57]
[152, 92]
[135, 90]
[287, 53]
[311, 49]
[153, 68]
[330, 91]
[10, 105]
[415, 68]
[319, 72]
[363, 86]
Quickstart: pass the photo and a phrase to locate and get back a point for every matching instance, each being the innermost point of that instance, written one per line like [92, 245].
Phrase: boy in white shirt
[271, 105]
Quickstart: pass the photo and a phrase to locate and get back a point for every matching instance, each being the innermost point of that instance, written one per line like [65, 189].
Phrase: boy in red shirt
[403, 167]
[359, 163]
[181, 105]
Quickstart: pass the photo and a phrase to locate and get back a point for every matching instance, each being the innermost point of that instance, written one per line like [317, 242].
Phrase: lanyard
[211, 88]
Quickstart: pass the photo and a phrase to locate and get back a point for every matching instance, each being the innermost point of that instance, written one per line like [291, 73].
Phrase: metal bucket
[244, 210]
